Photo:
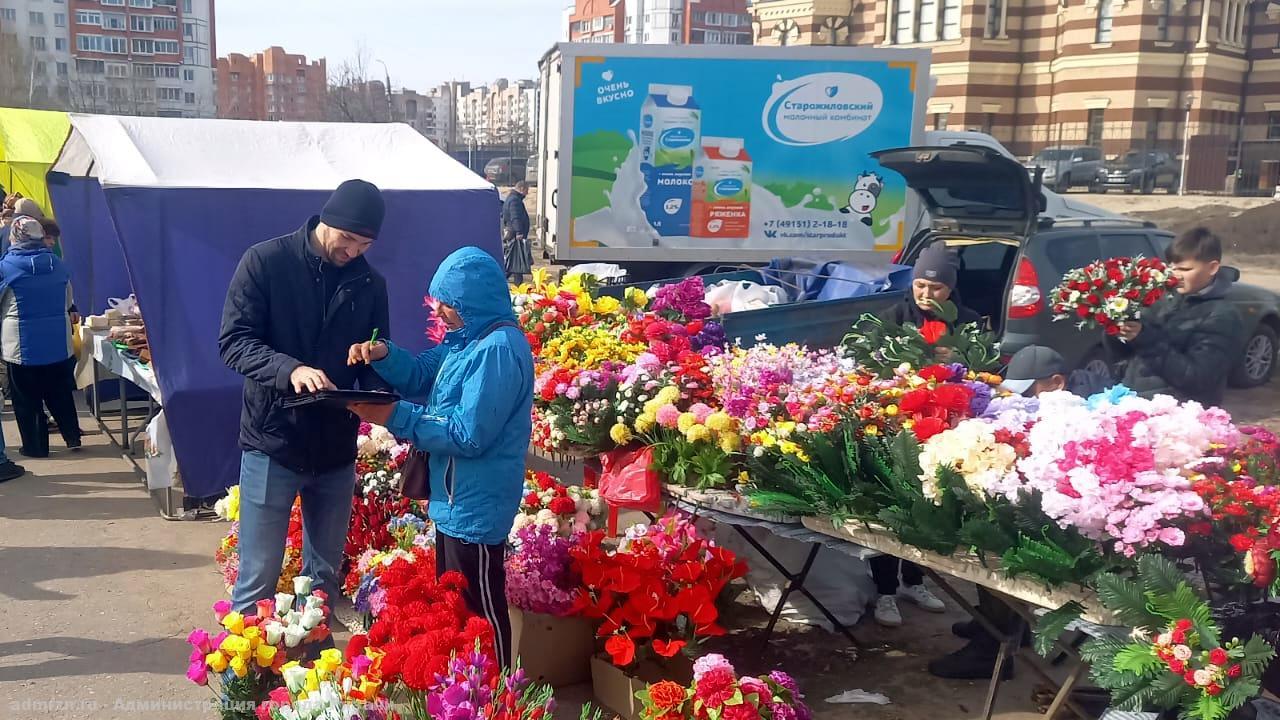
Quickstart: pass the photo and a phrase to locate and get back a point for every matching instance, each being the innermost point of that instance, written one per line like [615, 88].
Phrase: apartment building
[661, 22]
[1116, 74]
[501, 113]
[271, 85]
[141, 57]
[38, 51]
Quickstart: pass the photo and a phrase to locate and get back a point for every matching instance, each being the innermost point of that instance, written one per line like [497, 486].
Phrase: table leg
[124, 416]
[1064, 693]
[97, 401]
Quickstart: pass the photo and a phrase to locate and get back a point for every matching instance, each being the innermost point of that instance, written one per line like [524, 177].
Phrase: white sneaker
[921, 596]
[887, 613]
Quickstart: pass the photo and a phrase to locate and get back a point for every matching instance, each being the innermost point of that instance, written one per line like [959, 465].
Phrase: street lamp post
[1186, 145]
[387, 74]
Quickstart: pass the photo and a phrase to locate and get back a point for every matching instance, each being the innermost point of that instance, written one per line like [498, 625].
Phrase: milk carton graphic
[721, 190]
[670, 126]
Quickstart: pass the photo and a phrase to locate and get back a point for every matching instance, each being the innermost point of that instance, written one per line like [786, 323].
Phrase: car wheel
[1148, 186]
[1259, 359]
[1128, 189]
[1064, 185]
[1096, 187]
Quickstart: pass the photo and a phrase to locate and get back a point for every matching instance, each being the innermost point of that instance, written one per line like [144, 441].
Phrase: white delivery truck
[675, 160]
[668, 160]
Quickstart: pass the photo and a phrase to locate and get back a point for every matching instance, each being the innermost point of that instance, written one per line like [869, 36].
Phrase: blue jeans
[267, 490]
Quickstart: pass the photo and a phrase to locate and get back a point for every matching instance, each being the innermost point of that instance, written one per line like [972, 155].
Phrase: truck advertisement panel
[759, 154]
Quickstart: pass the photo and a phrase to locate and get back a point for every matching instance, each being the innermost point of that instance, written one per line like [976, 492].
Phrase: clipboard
[339, 399]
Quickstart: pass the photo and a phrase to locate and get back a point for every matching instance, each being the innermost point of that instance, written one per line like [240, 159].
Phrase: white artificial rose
[1203, 677]
[1182, 652]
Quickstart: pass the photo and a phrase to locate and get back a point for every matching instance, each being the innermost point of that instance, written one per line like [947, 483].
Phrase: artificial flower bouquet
[718, 693]
[1106, 293]
[1176, 658]
[540, 573]
[882, 346]
[247, 656]
[546, 309]
[567, 510]
[331, 687]
[658, 589]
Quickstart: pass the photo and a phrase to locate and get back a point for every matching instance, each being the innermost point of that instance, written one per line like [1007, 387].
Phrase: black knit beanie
[356, 206]
[937, 263]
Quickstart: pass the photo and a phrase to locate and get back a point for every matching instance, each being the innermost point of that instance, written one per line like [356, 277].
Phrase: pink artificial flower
[221, 608]
[436, 329]
[199, 639]
[280, 695]
[360, 665]
[266, 608]
[217, 639]
[668, 416]
[701, 411]
[198, 672]
[707, 663]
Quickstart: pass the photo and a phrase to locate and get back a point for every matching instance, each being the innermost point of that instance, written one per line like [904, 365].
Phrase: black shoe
[10, 470]
[967, 629]
[74, 445]
[971, 662]
[27, 453]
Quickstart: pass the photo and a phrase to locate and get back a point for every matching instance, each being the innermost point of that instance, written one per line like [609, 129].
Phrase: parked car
[1068, 167]
[531, 174]
[985, 206]
[1143, 170]
[505, 170]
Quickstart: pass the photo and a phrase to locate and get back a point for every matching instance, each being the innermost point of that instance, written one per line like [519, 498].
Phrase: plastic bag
[729, 296]
[125, 306]
[628, 480]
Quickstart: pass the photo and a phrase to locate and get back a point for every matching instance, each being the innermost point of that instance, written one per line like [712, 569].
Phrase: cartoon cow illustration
[862, 200]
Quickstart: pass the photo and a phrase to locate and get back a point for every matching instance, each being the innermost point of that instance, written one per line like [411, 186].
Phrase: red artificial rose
[1101, 317]
[954, 398]
[562, 506]
[1113, 330]
[1179, 637]
[1190, 677]
[1234, 671]
[1151, 297]
[1176, 666]
[1184, 625]
[937, 373]
[1241, 542]
[668, 649]
[532, 500]
[694, 327]
[1203, 529]
[1213, 689]
[914, 401]
[716, 687]
[926, 428]
[621, 650]
[1082, 311]
[1218, 656]
[933, 330]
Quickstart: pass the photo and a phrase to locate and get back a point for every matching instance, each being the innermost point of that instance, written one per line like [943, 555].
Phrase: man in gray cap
[1037, 369]
[933, 281]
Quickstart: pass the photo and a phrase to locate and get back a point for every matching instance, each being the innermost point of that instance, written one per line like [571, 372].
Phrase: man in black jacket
[295, 306]
[517, 255]
[1189, 345]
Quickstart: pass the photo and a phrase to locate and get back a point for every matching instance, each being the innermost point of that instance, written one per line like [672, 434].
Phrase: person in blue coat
[35, 338]
[475, 424]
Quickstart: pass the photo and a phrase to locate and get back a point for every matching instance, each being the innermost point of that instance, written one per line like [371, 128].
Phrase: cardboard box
[616, 688]
[553, 650]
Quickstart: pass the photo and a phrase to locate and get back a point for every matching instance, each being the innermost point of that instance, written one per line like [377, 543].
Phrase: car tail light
[1024, 299]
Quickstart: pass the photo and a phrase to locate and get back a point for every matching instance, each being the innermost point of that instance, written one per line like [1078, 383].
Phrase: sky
[422, 42]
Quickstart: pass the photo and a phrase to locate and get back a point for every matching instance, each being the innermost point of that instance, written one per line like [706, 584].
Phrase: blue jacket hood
[30, 261]
[471, 282]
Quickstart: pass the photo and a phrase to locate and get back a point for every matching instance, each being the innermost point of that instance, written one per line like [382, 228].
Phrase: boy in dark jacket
[1189, 346]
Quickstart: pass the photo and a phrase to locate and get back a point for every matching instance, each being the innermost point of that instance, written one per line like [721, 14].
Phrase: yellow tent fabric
[30, 141]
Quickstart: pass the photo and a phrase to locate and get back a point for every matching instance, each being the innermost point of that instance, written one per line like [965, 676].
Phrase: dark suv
[1143, 170]
[984, 205]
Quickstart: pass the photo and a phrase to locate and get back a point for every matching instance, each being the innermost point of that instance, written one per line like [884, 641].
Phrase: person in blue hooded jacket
[475, 425]
[35, 338]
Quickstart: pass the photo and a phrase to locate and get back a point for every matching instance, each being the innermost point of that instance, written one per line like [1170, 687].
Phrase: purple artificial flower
[981, 397]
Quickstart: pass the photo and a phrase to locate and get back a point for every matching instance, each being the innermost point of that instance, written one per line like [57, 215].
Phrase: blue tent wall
[181, 247]
[89, 243]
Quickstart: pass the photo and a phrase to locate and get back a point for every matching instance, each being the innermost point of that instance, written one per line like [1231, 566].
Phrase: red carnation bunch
[1106, 293]
[425, 622]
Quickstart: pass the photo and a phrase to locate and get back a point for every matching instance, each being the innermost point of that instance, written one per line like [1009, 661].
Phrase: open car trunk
[986, 272]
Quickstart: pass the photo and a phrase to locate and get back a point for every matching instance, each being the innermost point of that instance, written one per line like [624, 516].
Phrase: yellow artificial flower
[667, 395]
[216, 661]
[873, 430]
[234, 623]
[744, 477]
[785, 428]
[313, 681]
[730, 443]
[719, 421]
[235, 645]
[265, 655]
[239, 666]
[636, 298]
[607, 305]
[369, 688]
[330, 660]
[253, 634]
[686, 421]
[891, 410]
[697, 433]
[620, 434]
[788, 448]
[645, 422]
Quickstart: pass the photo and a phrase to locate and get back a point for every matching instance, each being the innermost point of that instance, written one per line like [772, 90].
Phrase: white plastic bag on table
[127, 307]
[601, 271]
[729, 296]
[840, 582]
[162, 464]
